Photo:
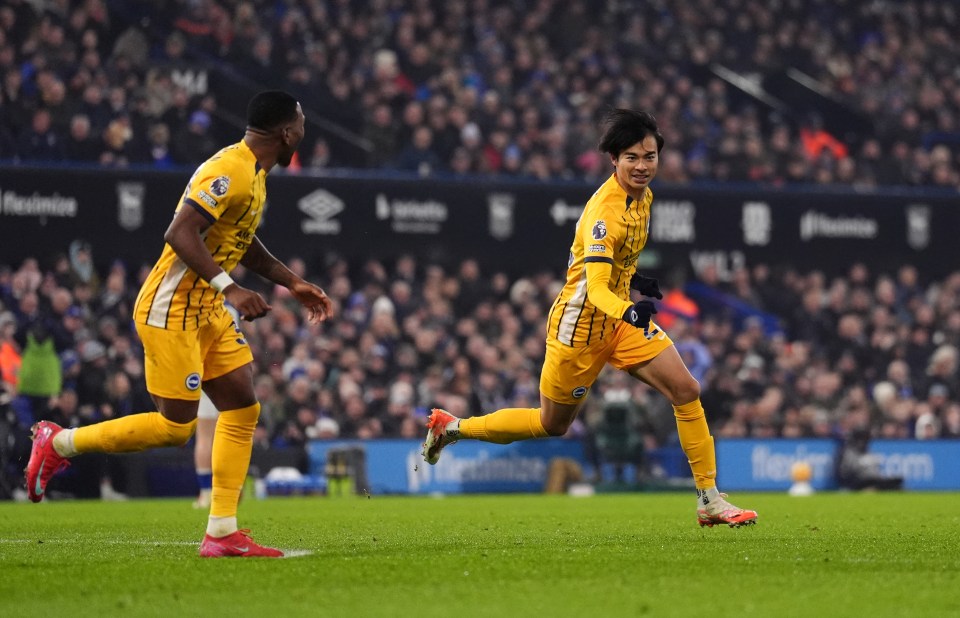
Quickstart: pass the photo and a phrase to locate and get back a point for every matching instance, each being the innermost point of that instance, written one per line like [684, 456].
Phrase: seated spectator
[419, 157]
[158, 144]
[40, 142]
[80, 145]
[193, 144]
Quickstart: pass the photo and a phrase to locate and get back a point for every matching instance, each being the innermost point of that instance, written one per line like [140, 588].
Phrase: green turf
[608, 555]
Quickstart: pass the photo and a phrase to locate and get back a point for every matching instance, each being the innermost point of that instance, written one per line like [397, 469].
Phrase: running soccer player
[593, 322]
[189, 339]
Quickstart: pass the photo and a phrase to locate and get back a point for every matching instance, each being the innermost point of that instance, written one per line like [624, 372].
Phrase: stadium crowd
[489, 87]
[866, 350]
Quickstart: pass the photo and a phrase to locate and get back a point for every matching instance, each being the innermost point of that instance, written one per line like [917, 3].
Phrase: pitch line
[287, 553]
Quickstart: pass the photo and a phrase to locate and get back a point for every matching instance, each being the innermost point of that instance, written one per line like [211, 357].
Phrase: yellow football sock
[129, 434]
[504, 426]
[232, 444]
[697, 443]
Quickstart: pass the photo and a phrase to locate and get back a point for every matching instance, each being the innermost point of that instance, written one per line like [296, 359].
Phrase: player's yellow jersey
[230, 190]
[613, 229]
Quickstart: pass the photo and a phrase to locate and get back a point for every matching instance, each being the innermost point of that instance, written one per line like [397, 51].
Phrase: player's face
[637, 165]
[292, 136]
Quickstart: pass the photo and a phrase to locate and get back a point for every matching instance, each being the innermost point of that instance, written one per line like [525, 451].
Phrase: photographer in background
[858, 469]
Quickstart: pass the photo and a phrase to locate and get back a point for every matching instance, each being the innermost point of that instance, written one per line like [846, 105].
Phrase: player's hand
[248, 303]
[639, 315]
[648, 286]
[314, 299]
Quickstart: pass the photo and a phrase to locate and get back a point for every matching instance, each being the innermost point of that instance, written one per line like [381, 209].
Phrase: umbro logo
[321, 206]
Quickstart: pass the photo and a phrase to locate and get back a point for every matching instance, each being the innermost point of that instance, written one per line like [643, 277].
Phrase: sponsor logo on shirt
[207, 198]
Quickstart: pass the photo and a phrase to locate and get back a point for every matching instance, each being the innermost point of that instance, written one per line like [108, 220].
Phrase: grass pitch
[608, 555]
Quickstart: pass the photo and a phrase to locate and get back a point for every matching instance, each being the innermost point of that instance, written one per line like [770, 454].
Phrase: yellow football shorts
[568, 373]
[177, 362]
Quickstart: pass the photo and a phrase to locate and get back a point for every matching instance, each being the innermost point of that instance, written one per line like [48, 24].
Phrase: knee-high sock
[232, 444]
[504, 426]
[132, 433]
[697, 443]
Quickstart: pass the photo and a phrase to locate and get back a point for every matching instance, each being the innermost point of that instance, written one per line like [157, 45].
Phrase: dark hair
[626, 127]
[270, 109]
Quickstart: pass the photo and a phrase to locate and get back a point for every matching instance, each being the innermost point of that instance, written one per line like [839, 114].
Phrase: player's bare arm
[184, 236]
[312, 297]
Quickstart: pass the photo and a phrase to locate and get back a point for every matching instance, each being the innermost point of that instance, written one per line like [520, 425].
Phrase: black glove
[648, 286]
[639, 315]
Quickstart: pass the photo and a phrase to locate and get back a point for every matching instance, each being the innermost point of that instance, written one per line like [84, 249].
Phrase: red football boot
[236, 545]
[44, 459]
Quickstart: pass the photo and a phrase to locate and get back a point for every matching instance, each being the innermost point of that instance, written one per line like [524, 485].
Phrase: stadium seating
[848, 93]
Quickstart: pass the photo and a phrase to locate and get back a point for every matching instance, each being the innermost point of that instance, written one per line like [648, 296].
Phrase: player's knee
[179, 434]
[556, 427]
[686, 391]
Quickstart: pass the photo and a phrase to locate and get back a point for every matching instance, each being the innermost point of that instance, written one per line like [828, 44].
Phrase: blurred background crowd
[865, 350]
[792, 91]
[824, 92]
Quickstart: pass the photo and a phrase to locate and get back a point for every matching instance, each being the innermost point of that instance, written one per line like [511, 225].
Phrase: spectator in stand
[158, 145]
[193, 144]
[81, 146]
[320, 158]
[10, 358]
[40, 142]
[817, 140]
[119, 148]
[382, 135]
[419, 156]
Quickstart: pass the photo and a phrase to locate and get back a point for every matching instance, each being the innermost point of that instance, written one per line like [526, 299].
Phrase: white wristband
[221, 281]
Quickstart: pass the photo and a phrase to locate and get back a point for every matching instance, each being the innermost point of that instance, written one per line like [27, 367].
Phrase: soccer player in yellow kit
[189, 339]
[593, 322]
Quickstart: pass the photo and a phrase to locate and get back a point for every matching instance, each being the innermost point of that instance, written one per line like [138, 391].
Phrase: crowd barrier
[757, 465]
[396, 466]
[518, 226]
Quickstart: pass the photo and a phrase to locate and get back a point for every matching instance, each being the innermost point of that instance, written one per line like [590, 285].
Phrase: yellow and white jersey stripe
[613, 228]
[229, 189]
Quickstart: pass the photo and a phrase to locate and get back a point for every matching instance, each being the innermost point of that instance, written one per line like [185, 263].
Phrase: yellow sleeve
[598, 290]
[212, 187]
[598, 255]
